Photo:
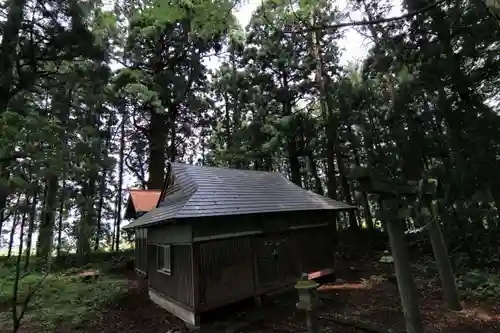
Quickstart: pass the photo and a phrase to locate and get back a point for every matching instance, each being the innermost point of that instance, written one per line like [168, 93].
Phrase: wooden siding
[214, 227]
[235, 268]
[141, 249]
[276, 259]
[171, 234]
[226, 268]
[179, 284]
[258, 254]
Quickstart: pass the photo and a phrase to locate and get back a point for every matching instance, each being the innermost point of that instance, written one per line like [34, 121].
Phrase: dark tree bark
[98, 232]
[102, 192]
[15, 221]
[172, 149]
[47, 219]
[313, 169]
[329, 118]
[87, 221]
[346, 190]
[60, 217]
[31, 228]
[8, 47]
[121, 153]
[157, 139]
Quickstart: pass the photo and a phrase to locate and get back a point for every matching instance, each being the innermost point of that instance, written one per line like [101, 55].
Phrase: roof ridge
[225, 168]
[143, 190]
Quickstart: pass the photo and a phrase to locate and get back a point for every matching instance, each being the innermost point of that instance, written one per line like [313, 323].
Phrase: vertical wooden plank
[195, 267]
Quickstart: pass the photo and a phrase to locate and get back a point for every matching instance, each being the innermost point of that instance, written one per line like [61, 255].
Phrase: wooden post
[428, 213]
[392, 194]
[406, 285]
[444, 267]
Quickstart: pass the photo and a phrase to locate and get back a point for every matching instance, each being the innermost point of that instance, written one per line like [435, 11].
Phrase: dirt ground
[361, 294]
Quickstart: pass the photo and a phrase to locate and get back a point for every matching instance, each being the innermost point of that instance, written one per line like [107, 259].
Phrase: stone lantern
[387, 263]
[308, 300]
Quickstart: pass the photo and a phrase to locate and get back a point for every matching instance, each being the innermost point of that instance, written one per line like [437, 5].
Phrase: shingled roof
[141, 201]
[194, 191]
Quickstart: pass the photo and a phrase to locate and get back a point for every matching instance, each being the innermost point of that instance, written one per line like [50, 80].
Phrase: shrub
[479, 284]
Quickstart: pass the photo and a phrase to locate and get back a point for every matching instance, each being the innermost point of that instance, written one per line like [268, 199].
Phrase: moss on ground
[63, 297]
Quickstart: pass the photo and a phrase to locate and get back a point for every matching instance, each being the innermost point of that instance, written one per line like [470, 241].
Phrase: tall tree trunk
[120, 182]
[2, 216]
[326, 111]
[47, 219]
[291, 139]
[15, 221]
[60, 216]
[86, 224]
[8, 47]
[235, 144]
[346, 189]
[157, 140]
[313, 169]
[31, 228]
[102, 188]
[172, 149]
[102, 191]
[364, 196]
[293, 158]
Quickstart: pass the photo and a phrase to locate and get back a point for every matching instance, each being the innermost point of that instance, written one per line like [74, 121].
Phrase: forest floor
[360, 293]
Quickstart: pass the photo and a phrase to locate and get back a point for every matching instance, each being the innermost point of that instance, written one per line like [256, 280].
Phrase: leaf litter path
[369, 298]
[134, 313]
[364, 297]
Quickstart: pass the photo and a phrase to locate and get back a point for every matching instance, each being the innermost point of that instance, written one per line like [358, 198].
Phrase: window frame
[166, 266]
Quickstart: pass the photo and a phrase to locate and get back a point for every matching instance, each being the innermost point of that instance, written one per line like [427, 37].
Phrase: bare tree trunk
[172, 149]
[60, 216]
[118, 216]
[46, 233]
[8, 47]
[157, 140]
[31, 228]
[86, 224]
[326, 113]
[99, 210]
[18, 311]
[313, 169]
[15, 221]
[346, 190]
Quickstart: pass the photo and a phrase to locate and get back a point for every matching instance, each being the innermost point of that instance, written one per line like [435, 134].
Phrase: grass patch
[62, 298]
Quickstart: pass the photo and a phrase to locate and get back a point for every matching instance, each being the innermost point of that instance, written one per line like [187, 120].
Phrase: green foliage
[480, 284]
[63, 298]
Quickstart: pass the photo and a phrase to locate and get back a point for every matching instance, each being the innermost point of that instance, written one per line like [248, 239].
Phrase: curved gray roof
[199, 191]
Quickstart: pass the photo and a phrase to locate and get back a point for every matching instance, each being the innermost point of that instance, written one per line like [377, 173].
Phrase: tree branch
[369, 22]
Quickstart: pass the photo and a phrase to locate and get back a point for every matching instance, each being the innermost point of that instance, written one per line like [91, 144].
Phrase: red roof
[144, 200]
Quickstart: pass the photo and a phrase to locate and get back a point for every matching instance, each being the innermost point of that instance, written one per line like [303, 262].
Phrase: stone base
[181, 312]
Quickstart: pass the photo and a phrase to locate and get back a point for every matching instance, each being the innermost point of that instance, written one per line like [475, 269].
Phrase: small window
[163, 259]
